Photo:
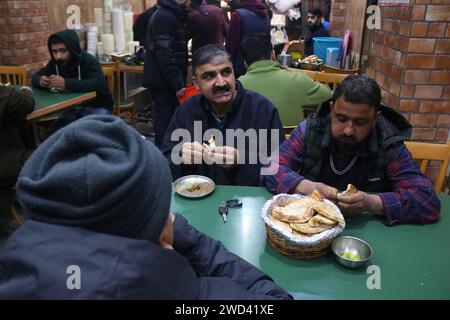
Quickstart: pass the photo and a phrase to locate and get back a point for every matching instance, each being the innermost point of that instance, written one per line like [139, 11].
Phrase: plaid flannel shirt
[413, 199]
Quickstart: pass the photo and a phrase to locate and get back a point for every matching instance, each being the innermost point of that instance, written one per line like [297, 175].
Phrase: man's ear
[165, 239]
[194, 82]
[377, 116]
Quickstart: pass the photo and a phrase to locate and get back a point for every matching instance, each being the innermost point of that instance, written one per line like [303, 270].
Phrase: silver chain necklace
[342, 172]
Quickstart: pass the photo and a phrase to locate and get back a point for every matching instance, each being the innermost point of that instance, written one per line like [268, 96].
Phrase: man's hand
[225, 157]
[44, 82]
[181, 92]
[359, 202]
[192, 153]
[57, 82]
[307, 186]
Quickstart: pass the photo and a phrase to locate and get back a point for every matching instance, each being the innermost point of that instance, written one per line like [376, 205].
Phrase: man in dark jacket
[140, 25]
[357, 140]
[206, 25]
[245, 125]
[166, 60]
[14, 149]
[98, 197]
[316, 28]
[250, 17]
[73, 69]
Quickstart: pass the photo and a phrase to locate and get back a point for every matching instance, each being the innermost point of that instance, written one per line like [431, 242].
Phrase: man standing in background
[251, 16]
[317, 29]
[206, 25]
[166, 60]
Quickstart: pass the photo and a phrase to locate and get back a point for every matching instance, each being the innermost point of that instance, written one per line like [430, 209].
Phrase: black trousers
[166, 102]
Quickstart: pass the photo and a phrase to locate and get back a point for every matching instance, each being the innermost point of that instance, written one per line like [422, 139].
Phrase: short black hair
[256, 46]
[359, 89]
[206, 54]
[316, 12]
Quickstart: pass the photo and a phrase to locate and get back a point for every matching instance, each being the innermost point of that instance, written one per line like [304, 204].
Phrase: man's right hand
[305, 187]
[192, 153]
[44, 82]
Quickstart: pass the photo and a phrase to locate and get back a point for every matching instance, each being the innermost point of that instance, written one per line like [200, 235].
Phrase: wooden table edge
[61, 105]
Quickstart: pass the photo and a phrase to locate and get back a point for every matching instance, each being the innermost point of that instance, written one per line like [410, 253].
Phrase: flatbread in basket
[312, 229]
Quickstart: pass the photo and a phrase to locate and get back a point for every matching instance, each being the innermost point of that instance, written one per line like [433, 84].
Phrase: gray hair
[207, 54]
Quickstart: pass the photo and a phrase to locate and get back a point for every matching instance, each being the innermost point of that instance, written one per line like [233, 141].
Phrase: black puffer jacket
[166, 48]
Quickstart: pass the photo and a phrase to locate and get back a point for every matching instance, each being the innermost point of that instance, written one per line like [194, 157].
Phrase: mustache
[62, 62]
[342, 137]
[223, 89]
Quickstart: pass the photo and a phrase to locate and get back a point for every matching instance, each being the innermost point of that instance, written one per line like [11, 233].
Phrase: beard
[347, 144]
[63, 63]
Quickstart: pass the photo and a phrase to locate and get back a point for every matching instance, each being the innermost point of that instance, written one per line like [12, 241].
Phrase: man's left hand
[57, 82]
[226, 157]
[359, 202]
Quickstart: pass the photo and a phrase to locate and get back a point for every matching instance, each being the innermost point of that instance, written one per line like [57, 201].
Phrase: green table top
[414, 260]
[47, 102]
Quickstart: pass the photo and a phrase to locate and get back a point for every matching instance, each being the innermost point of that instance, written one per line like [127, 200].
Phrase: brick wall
[24, 30]
[337, 18]
[410, 59]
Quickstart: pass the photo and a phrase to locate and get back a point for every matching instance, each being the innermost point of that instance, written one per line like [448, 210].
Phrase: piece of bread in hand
[351, 189]
[212, 142]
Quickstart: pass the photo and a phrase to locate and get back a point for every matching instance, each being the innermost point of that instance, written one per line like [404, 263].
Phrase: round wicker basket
[293, 250]
[293, 245]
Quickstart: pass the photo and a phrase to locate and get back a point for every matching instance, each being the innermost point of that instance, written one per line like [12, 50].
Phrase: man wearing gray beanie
[97, 195]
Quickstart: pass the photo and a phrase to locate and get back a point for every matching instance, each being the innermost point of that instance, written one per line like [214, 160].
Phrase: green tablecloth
[414, 260]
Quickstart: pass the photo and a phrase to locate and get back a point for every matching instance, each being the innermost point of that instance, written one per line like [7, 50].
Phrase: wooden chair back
[16, 75]
[331, 79]
[424, 152]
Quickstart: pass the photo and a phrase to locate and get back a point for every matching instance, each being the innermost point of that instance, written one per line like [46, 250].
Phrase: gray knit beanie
[98, 173]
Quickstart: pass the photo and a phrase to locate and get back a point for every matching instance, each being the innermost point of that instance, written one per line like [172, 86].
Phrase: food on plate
[316, 195]
[308, 215]
[319, 220]
[305, 228]
[311, 59]
[328, 210]
[291, 214]
[193, 187]
[351, 189]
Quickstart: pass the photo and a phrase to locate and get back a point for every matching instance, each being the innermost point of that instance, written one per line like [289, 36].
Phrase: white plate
[182, 184]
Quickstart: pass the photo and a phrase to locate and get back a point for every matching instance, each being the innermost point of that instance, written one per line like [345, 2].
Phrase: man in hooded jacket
[251, 16]
[73, 69]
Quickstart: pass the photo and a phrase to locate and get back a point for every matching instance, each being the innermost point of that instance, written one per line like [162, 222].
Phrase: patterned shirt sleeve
[413, 199]
[284, 167]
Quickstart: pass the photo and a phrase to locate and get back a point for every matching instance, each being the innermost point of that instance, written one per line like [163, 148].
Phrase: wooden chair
[309, 73]
[14, 75]
[331, 79]
[330, 69]
[424, 152]
[122, 108]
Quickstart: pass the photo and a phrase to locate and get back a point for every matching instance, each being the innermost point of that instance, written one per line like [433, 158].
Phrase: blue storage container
[321, 44]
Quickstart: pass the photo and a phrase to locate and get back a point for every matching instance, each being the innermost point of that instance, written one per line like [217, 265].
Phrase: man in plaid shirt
[355, 139]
